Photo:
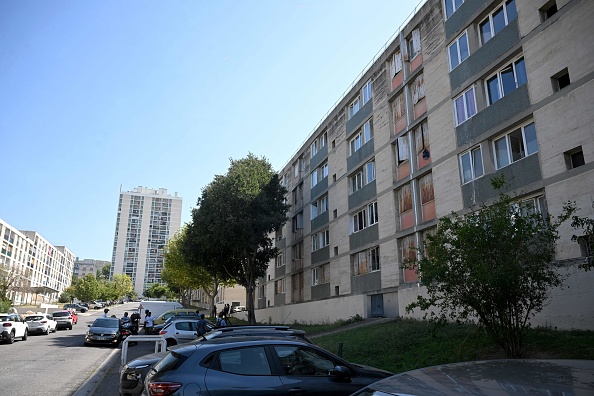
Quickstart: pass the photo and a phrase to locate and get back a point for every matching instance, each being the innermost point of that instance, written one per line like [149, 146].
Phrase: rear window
[61, 314]
[4, 319]
[37, 317]
[170, 362]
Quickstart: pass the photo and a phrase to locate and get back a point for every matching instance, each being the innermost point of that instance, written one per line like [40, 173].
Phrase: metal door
[377, 305]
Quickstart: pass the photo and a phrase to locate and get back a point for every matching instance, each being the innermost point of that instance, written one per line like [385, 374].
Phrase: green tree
[122, 285]
[87, 288]
[586, 240]
[496, 264]
[184, 277]
[230, 231]
[103, 273]
[156, 290]
[67, 295]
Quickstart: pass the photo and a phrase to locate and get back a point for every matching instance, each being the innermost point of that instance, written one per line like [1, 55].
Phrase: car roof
[534, 376]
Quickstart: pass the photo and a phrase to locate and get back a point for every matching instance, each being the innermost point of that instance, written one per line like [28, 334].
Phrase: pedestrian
[105, 311]
[214, 311]
[135, 318]
[221, 322]
[201, 326]
[125, 318]
[226, 310]
[149, 323]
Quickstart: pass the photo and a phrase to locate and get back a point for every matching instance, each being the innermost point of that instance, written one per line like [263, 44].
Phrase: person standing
[105, 311]
[221, 322]
[201, 326]
[149, 320]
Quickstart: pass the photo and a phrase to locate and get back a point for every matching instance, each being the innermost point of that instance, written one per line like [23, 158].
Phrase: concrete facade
[432, 107]
[88, 266]
[146, 220]
[42, 270]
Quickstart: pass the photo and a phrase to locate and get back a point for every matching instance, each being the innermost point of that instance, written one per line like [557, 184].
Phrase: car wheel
[10, 338]
[70, 327]
[171, 342]
[24, 337]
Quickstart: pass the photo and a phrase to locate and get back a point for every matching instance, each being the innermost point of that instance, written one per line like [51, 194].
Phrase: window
[560, 80]
[515, 145]
[281, 259]
[354, 107]
[496, 21]
[405, 198]
[465, 106]
[365, 218]
[319, 206]
[303, 360]
[363, 177]
[261, 292]
[298, 222]
[366, 261]
[471, 164]
[574, 158]
[298, 166]
[399, 107]
[318, 144]
[325, 273]
[245, 361]
[422, 137]
[414, 44]
[320, 173]
[402, 150]
[451, 6]
[506, 80]
[362, 137]
[367, 92]
[548, 10]
[418, 89]
[315, 276]
[409, 250]
[426, 186]
[458, 50]
[279, 286]
[396, 63]
[320, 240]
[282, 233]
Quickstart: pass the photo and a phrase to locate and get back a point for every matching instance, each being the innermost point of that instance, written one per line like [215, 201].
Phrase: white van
[158, 307]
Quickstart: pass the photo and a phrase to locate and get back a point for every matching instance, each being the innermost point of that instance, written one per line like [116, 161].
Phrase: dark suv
[134, 373]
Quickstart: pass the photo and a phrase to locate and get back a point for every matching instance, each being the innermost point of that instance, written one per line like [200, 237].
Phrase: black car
[257, 366]
[133, 373]
[104, 331]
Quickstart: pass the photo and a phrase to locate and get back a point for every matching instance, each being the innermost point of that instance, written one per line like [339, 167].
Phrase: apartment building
[41, 271]
[88, 266]
[467, 90]
[146, 219]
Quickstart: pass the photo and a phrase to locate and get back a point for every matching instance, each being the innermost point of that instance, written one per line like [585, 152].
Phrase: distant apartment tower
[42, 270]
[88, 266]
[146, 219]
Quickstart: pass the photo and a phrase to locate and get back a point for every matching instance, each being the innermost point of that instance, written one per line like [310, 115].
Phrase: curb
[93, 382]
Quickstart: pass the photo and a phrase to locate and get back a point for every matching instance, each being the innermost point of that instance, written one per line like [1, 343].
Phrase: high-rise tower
[146, 219]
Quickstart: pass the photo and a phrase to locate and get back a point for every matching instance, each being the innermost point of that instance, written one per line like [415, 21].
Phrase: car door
[19, 325]
[242, 371]
[308, 371]
[185, 331]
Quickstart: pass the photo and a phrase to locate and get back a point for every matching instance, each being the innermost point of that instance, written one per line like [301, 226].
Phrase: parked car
[133, 374]
[13, 326]
[179, 331]
[505, 377]
[264, 365]
[98, 304]
[174, 312]
[238, 308]
[158, 327]
[104, 331]
[76, 307]
[41, 323]
[64, 318]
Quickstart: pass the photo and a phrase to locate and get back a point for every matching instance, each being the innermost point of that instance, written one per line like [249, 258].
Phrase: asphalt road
[55, 364]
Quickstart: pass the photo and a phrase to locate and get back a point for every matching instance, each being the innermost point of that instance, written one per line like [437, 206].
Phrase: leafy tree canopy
[586, 225]
[496, 264]
[230, 228]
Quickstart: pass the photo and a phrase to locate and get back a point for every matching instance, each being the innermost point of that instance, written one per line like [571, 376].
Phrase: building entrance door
[377, 305]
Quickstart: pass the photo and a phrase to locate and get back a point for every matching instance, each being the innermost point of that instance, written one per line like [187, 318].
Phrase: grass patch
[408, 344]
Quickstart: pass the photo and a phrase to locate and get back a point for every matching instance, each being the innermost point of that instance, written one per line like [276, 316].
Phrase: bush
[5, 305]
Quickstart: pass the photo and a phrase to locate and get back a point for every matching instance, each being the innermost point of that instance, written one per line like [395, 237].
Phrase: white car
[179, 331]
[41, 323]
[13, 326]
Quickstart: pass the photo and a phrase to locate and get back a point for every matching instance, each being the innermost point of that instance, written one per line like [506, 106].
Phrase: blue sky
[95, 95]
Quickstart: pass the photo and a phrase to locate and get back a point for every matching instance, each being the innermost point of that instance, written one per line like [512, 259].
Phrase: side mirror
[341, 372]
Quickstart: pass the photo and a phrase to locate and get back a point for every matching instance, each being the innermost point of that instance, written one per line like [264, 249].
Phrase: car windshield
[113, 324]
[36, 317]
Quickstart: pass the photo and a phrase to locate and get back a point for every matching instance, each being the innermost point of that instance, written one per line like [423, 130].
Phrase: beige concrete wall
[566, 43]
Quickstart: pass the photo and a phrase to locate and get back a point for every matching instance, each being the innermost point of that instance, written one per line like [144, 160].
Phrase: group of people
[135, 320]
